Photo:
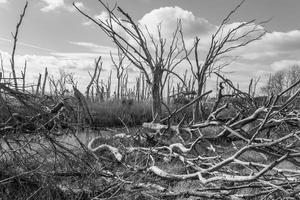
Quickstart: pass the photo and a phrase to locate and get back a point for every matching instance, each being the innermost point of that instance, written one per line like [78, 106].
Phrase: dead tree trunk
[97, 71]
[197, 115]
[222, 42]
[23, 73]
[38, 85]
[108, 87]
[167, 53]
[137, 89]
[119, 66]
[15, 37]
[44, 82]
[156, 94]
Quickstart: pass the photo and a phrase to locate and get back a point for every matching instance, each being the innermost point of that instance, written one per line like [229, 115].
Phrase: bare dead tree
[2, 67]
[293, 74]
[38, 85]
[124, 84]
[23, 73]
[253, 86]
[53, 85]
[168, 90]
[120, 68]
[275, 84]
[136, 45]
[45, 81]
[280, 80]
[98, 84]
[222, 43]
[97, 72]
[138, 88]
[144, 86]
[108, 86]
[59, 85]
[62, 82]
[15, 37]
[84, 106]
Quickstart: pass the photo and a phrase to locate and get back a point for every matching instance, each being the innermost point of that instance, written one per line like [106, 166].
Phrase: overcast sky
[56, 36]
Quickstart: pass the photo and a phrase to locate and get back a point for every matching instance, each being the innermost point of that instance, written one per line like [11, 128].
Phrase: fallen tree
[233, 162]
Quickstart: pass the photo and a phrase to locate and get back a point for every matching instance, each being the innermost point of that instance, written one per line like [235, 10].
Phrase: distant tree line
[281, 80]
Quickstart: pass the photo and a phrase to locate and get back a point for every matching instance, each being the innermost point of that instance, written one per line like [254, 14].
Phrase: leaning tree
[155, 56]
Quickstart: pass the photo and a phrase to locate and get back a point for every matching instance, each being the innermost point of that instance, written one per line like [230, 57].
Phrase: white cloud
[3, 1]
[280, 49]
[103, 16]
[168, 17]
[60, 4]
[282, 41]
[284, 64]
[271, 45]
[85, 44]
[87, 23]
[77, 63]
[75, 55]
[27, 45]
[71, 8]
[274, 45]
[95, 47]
[273, 51]
[52, 5]
[79, 4]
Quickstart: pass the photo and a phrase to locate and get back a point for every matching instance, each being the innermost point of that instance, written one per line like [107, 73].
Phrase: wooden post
[23, 73]
[44, 82]
[38, 85]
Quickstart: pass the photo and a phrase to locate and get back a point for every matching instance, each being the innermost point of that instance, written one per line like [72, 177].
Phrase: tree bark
[118, 87]
[45, 81]
[197, 116]
[156, 95]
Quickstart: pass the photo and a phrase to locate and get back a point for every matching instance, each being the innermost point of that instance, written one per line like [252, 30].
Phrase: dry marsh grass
[115, 113]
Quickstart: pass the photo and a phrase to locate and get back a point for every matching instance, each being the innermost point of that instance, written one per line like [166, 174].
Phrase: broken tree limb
[104, 147]
[185, 106]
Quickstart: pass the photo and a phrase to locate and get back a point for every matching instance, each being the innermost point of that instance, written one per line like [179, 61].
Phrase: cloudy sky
[56, 36]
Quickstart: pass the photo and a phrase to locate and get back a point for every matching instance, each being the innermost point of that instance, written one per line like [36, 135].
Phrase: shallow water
[84, 136]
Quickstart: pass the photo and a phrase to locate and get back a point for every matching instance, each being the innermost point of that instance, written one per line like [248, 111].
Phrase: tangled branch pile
[36, 162]
[252, 154]
[241, 149]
